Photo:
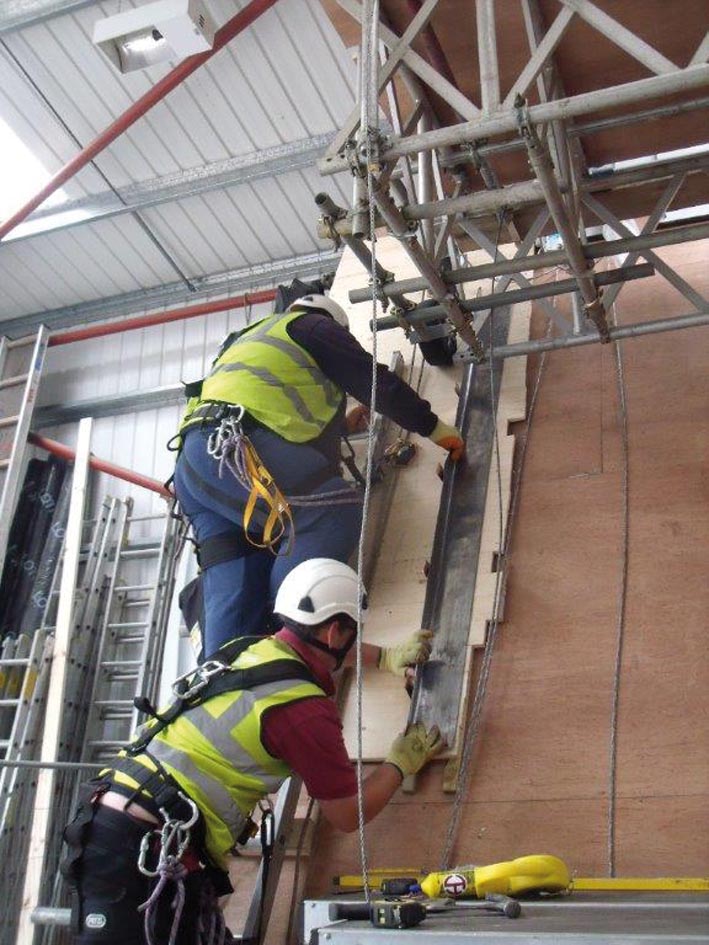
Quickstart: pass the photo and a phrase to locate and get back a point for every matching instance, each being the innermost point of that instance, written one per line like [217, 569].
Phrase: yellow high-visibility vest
[216, 753]
[276, 380]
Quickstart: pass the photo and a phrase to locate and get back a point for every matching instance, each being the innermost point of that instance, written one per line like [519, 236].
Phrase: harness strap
[214, 677]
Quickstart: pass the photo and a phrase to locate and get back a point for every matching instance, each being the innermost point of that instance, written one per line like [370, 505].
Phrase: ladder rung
[9, 703]
[137, 603]
[9, 421]
[129, 588]
[120, 664]
[112, 745]
[20, 342]
[13, 381]
[147, 552]
[134, 639]
[133, 625]
[4, 463]
[12, 661]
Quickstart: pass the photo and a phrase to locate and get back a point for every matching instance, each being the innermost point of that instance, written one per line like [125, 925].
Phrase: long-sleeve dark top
[344, 361]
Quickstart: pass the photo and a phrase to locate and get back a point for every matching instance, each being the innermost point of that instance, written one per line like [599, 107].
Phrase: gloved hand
[448, 438]
[414, 649]
[357, 419]
[411, 750]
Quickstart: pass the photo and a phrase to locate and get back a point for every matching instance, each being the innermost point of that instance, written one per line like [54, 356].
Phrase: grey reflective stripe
[296, 353]
[220, 800]
[291, 393]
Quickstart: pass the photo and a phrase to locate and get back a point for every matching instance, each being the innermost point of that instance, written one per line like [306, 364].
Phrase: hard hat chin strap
[339, 653]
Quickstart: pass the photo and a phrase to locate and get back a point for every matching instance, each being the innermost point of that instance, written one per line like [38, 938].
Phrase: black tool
[399, 886]
[493, 902]
[382, 914]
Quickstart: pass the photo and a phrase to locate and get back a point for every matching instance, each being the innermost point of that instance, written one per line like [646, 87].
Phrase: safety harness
[157, 791]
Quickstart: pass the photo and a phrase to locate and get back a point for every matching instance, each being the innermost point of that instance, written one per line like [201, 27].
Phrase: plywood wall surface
[539, 774]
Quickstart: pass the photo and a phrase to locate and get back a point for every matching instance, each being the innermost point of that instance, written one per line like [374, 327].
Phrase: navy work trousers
[238, 594]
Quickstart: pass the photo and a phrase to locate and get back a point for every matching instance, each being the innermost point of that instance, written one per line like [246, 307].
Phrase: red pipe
[161, 318]
[224, 35]
[52, 446]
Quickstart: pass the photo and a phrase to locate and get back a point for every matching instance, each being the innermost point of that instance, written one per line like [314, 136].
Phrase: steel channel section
[450, 588]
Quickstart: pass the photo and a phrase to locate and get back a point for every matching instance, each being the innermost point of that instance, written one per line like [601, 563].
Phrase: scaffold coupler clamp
[595, 310]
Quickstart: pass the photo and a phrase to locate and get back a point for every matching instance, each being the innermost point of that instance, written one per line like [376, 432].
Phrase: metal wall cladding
[285, 79]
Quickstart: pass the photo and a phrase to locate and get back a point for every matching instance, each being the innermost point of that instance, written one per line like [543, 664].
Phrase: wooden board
[539, 776]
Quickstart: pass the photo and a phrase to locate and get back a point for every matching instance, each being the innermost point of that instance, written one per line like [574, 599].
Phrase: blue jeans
[238, 594]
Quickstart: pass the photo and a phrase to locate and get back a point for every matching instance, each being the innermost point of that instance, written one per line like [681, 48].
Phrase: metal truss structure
[436, 186]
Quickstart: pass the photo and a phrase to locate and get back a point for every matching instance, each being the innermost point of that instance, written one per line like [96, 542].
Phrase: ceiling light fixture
[156, 32]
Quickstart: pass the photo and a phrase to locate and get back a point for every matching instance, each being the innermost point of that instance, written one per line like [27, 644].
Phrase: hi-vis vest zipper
[274, 379]
[216, 754]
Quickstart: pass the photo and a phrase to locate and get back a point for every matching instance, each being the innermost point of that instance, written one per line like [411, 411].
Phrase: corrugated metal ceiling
[286, 79]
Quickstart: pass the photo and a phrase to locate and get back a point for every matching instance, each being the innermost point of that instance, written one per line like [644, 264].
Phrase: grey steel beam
[257, 165]
[234, 281]
[113, 405]
[669, 237]
[682, 80]
[17, 14]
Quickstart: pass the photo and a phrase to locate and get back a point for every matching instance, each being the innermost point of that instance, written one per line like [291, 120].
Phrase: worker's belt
[215, 411]
[157, 791]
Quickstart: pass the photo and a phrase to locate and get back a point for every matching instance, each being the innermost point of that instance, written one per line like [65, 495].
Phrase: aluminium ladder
[21, 362]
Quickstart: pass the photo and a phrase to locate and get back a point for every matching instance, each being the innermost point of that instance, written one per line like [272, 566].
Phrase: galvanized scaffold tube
[544, 171]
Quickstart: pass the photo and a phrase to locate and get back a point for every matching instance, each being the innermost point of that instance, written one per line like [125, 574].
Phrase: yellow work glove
[448, 438]
[414, 649]
[411, 750]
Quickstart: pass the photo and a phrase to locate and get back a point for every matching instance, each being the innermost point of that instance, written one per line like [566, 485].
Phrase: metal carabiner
[200, 677]
[145, 849]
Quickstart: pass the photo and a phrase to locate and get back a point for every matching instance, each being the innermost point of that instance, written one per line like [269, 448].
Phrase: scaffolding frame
[422, 210]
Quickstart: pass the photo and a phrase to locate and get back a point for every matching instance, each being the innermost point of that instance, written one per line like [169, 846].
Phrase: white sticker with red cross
[454, 884]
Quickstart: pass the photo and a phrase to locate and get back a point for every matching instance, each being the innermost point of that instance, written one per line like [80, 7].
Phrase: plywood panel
[539, 775]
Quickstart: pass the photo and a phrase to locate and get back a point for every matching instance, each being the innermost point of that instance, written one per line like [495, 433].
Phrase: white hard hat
[324, 304]
[316, 590]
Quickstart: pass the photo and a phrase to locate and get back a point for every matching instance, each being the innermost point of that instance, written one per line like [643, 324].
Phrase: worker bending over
[283, 382]
[148, 847]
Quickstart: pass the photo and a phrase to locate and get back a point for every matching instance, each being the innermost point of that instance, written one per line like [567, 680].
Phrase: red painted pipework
[161, 318]
[64, 452]
[224, 35]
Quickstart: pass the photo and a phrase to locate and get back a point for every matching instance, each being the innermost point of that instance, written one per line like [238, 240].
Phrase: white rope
[622, 598]
[368, 34]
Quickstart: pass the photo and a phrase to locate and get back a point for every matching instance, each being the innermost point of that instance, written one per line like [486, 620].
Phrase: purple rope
[171, 870]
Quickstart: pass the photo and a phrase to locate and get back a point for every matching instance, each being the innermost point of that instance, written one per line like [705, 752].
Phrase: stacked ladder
[21, 363]
[121, 660]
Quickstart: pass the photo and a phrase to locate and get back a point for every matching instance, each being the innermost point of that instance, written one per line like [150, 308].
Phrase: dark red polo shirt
[307, 735]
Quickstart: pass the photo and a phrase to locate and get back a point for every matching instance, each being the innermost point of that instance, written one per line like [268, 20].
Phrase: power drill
[382, 914]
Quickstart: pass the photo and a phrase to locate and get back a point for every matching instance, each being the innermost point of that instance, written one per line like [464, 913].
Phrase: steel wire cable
[622, 601]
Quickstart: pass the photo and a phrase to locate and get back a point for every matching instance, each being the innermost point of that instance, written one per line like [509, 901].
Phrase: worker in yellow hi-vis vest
[258, 472]
[150, 840]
